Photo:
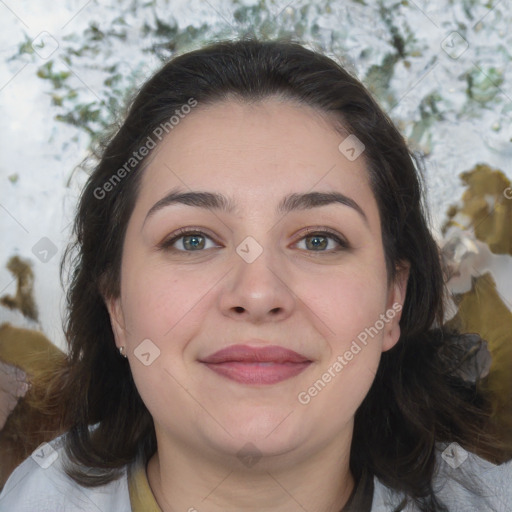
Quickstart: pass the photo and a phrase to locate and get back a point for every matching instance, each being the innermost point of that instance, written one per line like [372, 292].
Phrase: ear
[395, 304]
[115, 312]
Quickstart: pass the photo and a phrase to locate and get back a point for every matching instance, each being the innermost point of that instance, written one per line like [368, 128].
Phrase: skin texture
[192, 303]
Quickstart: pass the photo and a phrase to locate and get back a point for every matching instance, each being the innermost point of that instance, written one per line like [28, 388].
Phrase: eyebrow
[216, 201]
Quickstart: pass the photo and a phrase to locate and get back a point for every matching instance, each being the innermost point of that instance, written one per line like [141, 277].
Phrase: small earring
[122, 351]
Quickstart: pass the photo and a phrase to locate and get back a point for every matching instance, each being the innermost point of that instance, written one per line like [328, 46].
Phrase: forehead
[258, 151]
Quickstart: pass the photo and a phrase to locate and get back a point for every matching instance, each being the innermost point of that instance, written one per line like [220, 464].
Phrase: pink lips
[256, 365]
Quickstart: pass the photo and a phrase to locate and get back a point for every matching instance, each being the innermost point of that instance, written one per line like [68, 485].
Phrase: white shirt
[40, 484]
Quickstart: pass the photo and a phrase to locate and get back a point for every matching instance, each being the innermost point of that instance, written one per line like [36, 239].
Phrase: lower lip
[258, 373]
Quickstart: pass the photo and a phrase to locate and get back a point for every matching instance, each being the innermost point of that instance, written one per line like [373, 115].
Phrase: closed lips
[247, 354]
[256, 365]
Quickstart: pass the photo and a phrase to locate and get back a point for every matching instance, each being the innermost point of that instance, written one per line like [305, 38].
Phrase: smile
[258, 373]
[256, 365]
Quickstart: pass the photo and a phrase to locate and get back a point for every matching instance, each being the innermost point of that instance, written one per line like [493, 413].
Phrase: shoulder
[462, 481]
[465, 481]
[40, 483]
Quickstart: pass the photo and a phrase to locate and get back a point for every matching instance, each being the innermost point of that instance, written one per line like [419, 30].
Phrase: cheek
[349, 306]
[346, 302]
[158, 300]
[339, 387]
[162, 308]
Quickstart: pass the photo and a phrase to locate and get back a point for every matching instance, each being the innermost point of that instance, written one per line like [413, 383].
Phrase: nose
[257, 292]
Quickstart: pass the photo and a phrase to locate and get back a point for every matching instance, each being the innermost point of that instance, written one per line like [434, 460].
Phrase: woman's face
[285, 251]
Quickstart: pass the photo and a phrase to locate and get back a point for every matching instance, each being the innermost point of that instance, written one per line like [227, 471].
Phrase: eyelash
[310, 232]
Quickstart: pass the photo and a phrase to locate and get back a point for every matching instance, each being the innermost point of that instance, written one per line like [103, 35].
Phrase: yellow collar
[141, 496]
[142, 499]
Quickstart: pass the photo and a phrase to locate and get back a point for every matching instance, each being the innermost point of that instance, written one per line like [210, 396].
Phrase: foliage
[94, 72]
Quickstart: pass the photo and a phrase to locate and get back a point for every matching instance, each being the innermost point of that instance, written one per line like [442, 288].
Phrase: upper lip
[248, 354]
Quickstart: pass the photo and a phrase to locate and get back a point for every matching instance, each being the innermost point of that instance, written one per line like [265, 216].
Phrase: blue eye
[197, 241]
[189, 241]
[323, 242]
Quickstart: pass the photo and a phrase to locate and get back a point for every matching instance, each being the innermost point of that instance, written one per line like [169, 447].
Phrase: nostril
[239, 309]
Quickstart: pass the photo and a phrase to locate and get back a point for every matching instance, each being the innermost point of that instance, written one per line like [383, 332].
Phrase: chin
[269, 433]
[261, 454]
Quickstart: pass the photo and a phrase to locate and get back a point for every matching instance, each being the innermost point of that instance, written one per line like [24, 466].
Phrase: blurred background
[441, 69]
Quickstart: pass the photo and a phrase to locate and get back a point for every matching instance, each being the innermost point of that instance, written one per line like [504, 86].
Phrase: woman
[252, 317]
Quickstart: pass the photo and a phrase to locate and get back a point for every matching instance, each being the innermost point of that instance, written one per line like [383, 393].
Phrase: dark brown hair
[415, 401]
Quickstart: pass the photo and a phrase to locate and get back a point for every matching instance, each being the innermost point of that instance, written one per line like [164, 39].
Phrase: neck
[320, 481]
